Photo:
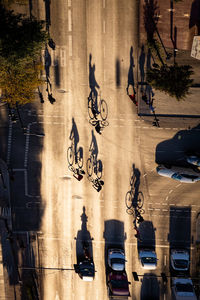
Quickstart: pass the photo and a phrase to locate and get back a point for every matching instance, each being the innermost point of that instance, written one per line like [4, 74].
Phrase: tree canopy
[173, 80]
[21, 42]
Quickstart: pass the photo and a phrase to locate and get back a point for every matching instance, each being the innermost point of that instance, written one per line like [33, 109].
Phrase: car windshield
[86, 269]
[119, 283]
[117, 261]
[189, 176]
[176, 176]
[180, 263]
[180, 287]
[148, 260]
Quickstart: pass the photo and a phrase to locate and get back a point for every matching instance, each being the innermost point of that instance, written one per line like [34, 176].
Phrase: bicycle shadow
[133, 194]
[83, 235]
[74, 153]
[131, 81]
[94, 165]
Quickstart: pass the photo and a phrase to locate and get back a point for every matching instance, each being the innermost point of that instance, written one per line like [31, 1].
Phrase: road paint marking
[104, 51]
[69, 20]
[170, 191]
[69, 3]
[27, 146]
[57, 296]
[165, 260]
[9, 143]
[104, 26]
[70, 45]
[104, 3]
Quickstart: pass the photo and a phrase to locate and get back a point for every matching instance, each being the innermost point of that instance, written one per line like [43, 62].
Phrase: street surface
[93, 53]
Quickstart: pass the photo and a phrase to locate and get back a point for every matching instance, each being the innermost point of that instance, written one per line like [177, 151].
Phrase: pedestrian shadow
[83, 236]
[150, 289]
[57, 72]
[47, 71]
[195, 16]
[173, 151]
[114, 237]
[131, 81]
[118, 73]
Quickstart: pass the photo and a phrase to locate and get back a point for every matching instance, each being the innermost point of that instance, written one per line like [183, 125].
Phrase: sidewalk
[182, 19]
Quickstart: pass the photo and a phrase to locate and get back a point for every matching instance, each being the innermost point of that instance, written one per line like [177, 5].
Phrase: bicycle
[78, 156]
[77, 173]
[96, 183]
[94, 165]
[96, 107]
[135, 211]
[98, 124]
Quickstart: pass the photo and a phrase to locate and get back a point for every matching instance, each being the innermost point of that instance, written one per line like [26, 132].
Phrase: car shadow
[150, 289]
[114, 237]
[173, 151]
[179, 230]
[147, 234]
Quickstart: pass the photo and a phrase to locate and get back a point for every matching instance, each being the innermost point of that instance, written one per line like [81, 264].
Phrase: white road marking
[70, 45]
[69, 20]
[57, 296]
[104, 3]
[104, 26]
[9, 143]
[165, 260]
[27, 146]
[170, 191]
[69, 3]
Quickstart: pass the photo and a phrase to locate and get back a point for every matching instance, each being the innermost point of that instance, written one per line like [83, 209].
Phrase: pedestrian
[98, 127]
[137, 235]
[51, 99]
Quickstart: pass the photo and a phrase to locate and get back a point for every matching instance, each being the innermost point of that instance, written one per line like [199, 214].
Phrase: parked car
[182, 289]
[180, 260]
[118, 285]
[193, 160]
[116, 259]
[148, 259]
[181, 174]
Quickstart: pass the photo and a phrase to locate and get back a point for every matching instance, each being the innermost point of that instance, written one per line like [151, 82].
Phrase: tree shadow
[150, 18]
[195, 15]
[131, 73]
[83, 236]
[179, 230]
[173, 151]
[114, 236]
[150, 289]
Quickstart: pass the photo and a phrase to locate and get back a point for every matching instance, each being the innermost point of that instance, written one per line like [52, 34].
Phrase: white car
[148, 259]
[116, 259]
[180, 260]
[193, 160]
[182, 289]
[181, 174]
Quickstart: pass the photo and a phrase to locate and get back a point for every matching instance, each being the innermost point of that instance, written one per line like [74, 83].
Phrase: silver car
[181, 174]
[193, 160]
[116, 259]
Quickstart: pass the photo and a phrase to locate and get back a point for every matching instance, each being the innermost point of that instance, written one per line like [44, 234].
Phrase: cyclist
[98, 127]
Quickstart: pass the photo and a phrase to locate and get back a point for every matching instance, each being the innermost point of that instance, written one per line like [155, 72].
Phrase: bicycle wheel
[80, 157]
[141, 211]
[130, 211]
[99, 168]
[103, 110]
[104, 123]
[70, 156]
[140, 200]
[93, 122]
[90, 108]
[90, 166]
[128, 199]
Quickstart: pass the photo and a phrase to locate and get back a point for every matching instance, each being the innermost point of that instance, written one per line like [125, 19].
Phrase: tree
[19, 81]
[20, 37]
[173, 80]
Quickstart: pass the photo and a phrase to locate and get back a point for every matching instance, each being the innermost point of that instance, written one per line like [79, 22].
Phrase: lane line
[104, 3]
[70, 45]
[69, 20]
[104, 26]
[9, 143]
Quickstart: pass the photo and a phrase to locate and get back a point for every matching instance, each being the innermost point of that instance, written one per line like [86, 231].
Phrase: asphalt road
[93, 53]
